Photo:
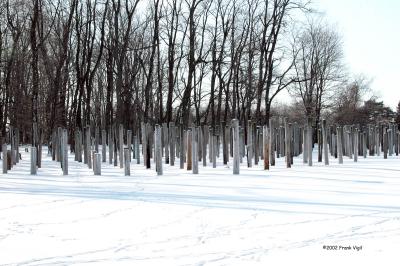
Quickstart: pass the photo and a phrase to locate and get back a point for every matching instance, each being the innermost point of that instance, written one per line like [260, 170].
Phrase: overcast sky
[371, 37]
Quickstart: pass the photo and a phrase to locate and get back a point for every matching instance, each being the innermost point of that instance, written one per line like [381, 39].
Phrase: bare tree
[172, 28]
[103, 62]
[318, 66]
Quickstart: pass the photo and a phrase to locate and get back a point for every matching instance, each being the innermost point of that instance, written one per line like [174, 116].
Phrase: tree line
[103, 62]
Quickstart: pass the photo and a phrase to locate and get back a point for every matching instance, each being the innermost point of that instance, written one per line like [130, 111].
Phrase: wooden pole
[181, 148]
[97, 160]
[76, 144]
[199, 143]
[137, 149]
[255, 144]
[35, 137]
[266, 144]
[282, 140]
[9, 160]
[39, 149]
[214, 151]
[260, 142]
[177, 141]
[53, 145]
[121, 145]
[104, 145]
[320, 141]
[364, 143]
[395, 140]
[310, 142]
[166, 142]
[334, 144]
[305, 144]
[355, 144]
[92, 153]
[127, 165]
[33, 161]
[189, 150]
[224, 144]
[129, 143]
[88, 148]
[339, 135]
[110, 145]
[350, 139]
[236, 147]
[390, 141]
[5, 158]
[84, 150]
[204, 143]
[58, 144]
[158, 150]
[377, 141]
[115, 146]
[397, 144]
[218, 141]
[12, 144]
[96, 139]
[86, 145]
[230, 140]
[133, 142]
[371, 140]
[249, 144]
[17, 145]
[80, 145]
[325, 142]
[287, 143]
[150, 144]
[385, 144]
[195, 151]
[271, 142]
[172, 140]
[295, 139]
[290, 143]
[210, 144]
[65, 151]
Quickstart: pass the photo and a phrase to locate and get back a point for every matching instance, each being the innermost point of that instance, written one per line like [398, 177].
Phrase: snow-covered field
[277, 217]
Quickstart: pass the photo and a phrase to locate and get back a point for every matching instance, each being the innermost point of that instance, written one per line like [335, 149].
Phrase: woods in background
[103, 62]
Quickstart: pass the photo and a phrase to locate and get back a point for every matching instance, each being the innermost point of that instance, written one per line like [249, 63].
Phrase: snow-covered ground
[277, 217]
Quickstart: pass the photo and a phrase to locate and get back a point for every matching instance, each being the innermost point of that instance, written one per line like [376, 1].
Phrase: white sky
[371, 37]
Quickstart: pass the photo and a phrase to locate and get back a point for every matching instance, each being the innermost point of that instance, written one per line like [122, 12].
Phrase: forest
[99, 63]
